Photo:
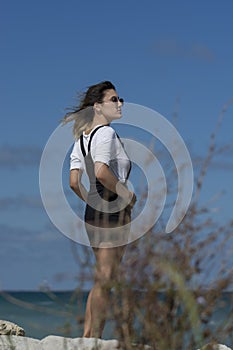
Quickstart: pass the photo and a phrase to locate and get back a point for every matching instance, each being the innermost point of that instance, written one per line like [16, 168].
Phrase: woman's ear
[96, 107]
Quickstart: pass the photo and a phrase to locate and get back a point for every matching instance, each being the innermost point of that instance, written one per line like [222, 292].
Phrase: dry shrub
[174, 291]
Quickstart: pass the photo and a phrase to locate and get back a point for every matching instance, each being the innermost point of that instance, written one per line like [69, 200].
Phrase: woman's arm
[110, 181]
[76, 185]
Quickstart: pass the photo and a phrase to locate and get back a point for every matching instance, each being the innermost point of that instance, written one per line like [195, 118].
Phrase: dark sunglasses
[115, 99]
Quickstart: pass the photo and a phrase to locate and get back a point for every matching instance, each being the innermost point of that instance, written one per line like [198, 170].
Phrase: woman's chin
[119, 116]
[115, 117]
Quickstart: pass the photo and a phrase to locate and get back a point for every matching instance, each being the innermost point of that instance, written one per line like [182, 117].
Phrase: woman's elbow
[74, 179]
[73, 185]
[99, 177]
[101, 171]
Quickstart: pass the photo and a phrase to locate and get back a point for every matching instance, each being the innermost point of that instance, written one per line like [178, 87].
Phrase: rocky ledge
[12, 338]
[14, 342]
[52, 342]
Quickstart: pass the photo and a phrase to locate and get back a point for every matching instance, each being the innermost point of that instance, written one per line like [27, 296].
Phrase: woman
[99, 152]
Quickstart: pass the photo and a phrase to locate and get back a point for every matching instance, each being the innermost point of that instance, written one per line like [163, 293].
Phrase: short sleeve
[75, 161]
[104, 148]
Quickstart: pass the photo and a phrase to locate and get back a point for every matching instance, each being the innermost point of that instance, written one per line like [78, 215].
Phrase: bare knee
[104, 277]
[107, 264]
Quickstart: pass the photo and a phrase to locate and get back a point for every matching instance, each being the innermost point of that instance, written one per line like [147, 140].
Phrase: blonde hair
[82, 120]
[83, 114]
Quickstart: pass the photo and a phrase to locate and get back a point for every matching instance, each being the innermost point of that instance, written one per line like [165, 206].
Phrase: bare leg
[87, 322]
[107, 261]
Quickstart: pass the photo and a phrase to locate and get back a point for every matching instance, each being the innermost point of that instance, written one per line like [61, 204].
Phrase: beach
[60, 314]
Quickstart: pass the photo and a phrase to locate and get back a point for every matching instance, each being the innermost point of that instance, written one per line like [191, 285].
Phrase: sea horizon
[61, 312]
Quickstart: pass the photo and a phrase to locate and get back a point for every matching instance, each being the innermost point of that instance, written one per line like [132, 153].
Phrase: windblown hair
[83, 114]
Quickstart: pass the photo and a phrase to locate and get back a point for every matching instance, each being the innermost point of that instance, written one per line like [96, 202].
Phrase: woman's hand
[109, 180]
[133, 200]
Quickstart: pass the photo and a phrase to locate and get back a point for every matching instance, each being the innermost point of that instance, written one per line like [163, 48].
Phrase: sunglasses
[115, 99]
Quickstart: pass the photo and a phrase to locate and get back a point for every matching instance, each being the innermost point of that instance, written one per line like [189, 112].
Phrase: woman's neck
[97, 120]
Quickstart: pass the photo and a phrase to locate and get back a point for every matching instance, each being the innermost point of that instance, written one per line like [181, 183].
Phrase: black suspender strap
[89, 143]
[82, 146]
[92, 134]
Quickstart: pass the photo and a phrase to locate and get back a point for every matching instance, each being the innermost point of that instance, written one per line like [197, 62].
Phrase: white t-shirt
[106, 148]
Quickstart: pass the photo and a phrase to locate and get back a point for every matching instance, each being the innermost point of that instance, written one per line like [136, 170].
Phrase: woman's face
[110, 108]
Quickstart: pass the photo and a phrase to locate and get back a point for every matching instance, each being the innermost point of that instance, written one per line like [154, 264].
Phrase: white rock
[61, 343]
[52, 342]
[10, 328]
[14, 342]
[220, 347]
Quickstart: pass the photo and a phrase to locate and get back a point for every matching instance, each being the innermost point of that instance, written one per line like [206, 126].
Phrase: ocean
[46, 313]
[62, 313]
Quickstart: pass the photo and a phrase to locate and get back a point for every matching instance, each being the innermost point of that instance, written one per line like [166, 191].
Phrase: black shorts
[107, 229]
[100, 218]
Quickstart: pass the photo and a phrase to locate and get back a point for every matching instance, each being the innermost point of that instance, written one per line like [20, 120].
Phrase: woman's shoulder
[105, 132]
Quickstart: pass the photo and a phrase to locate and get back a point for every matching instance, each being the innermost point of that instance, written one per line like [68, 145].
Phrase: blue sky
[171, 56]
